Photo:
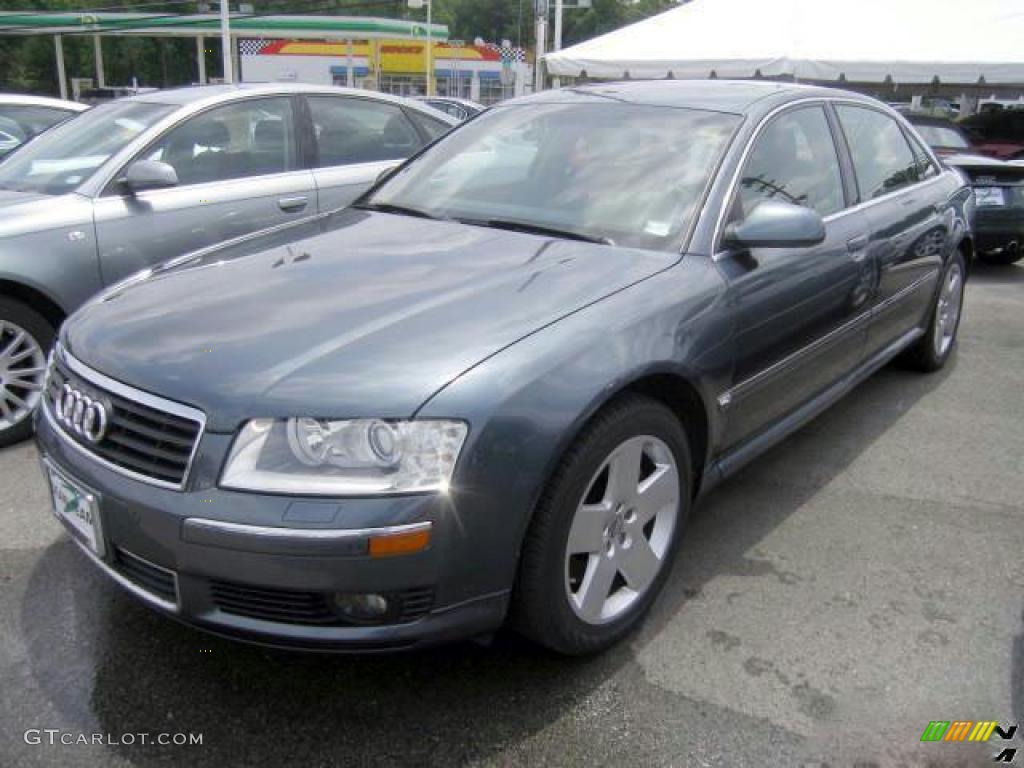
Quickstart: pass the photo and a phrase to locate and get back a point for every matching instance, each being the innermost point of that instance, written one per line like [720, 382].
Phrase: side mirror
[149, 174]
[775, 224]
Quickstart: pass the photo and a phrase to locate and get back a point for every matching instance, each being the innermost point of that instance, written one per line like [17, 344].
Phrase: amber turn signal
[405, 543]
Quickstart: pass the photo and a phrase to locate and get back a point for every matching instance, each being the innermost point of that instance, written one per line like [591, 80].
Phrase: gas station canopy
[193, 25]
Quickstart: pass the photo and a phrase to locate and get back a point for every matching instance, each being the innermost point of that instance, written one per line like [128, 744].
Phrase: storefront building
[483, 72]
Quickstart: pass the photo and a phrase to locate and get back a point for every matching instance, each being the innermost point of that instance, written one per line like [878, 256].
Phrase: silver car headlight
[356, 457]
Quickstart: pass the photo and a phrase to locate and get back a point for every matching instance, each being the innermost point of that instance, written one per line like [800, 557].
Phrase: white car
[23, 116]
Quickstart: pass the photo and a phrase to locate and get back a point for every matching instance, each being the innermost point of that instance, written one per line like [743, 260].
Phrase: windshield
[60, 159]
[610, 171]
[941, 136]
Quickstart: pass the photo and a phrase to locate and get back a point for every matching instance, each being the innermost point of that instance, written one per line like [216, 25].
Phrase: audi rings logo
[83, 415]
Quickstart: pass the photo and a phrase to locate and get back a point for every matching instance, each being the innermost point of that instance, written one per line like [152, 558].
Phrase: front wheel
[933, 349]
[604, 534]
[25, 338]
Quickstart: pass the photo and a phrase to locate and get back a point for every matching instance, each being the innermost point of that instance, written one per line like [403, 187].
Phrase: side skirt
[739, 457]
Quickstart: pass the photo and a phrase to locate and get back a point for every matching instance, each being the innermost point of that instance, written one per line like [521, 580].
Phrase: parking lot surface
[855, 583]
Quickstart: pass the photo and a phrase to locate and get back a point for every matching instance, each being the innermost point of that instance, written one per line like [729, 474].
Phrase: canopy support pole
[97, 51]
[62, 78]
[201, 59]
[349, 78]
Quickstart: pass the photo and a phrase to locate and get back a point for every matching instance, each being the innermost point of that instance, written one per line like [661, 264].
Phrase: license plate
[77, 508]
[990, 195]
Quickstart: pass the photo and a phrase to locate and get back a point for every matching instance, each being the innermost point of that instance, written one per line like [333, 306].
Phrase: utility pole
[225, 42]
[415, 4]
[556, 82]
[541, 36]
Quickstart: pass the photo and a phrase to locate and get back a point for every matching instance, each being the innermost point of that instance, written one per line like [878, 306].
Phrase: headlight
[358, 457]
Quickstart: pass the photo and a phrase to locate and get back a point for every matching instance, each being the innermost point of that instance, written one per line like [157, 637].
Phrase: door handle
[857, 247]
[296, 203]
[856, 244]
[908, 200]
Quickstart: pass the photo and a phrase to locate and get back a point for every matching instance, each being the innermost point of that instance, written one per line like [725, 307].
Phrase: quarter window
[794, 160]
[882, 158]
[247, 138]
[351, 130]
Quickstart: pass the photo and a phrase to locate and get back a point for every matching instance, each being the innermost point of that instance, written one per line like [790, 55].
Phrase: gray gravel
[858, 581]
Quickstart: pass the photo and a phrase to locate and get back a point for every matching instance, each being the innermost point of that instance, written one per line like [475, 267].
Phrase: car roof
[41, 101]
[735, 96]
[195, 95]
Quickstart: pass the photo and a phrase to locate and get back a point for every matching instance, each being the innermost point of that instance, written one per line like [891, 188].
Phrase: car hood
[353, 314]
[22, 212]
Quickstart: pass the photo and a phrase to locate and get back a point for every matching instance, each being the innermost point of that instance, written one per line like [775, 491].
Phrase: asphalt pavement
[860, 580]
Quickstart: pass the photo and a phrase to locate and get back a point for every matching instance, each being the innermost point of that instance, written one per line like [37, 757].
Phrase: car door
[239, 170]
[909, 230]
[799, 313]
[356, 140]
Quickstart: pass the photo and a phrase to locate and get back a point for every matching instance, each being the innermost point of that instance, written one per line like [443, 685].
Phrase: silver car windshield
[940, 136]
[61, 159]
[611, 172]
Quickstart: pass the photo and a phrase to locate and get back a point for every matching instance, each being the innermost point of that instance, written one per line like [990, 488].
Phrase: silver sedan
[136, 181]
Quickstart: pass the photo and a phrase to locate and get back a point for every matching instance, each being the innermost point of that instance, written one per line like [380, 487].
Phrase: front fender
[526, 404]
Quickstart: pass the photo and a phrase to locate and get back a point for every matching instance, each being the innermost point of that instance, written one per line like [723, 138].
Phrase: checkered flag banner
[508, 53]
[249, 47]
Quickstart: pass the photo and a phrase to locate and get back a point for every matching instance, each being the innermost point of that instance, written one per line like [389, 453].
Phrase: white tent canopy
[866, 41]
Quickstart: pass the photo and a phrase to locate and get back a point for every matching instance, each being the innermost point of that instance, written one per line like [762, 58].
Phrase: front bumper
[264, 568]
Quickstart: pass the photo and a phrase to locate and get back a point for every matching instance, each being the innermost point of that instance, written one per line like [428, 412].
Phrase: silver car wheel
[947, 311]
[22, 371]
[622, 529]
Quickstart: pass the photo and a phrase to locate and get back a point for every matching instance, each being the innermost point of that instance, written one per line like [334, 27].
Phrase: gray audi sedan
[493, 389]
[140, 180]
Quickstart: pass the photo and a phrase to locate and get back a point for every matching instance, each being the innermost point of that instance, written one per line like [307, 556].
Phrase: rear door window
[351, 130]
[882, 159]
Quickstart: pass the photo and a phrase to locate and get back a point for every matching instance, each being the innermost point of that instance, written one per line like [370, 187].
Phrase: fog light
[361, 607]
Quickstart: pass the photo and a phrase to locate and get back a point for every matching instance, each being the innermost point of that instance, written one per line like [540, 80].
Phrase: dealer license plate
[77, 508]
[990, 195]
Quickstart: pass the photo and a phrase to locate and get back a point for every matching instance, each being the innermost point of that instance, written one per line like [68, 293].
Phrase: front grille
[297, 607]
[144, 574]
[140, 438]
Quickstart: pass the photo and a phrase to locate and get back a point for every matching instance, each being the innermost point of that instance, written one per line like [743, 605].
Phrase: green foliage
[27, 62]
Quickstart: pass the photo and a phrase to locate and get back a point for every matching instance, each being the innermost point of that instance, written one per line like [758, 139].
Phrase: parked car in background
[136, 181]
[999, 133]
[460, 109]
[467, 399]
[998, 189]
[23, 117]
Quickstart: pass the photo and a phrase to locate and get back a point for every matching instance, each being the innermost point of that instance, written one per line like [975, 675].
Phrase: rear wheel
[25, 338]
[604, 534]
[933, 349]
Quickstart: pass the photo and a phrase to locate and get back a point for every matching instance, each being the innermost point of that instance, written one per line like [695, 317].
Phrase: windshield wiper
[402, 210]
[537, 229]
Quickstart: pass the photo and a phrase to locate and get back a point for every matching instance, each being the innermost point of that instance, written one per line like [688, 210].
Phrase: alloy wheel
[947, 311]
[622, 529]
[22, 371]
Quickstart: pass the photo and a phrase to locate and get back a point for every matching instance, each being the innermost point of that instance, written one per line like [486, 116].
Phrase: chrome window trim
[319, 534]
[739, 390]
[719, 253]
[96, 378]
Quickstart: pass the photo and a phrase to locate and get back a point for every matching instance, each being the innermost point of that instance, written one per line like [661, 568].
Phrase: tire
[25, 340]
[930, 352]
[545, 606]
